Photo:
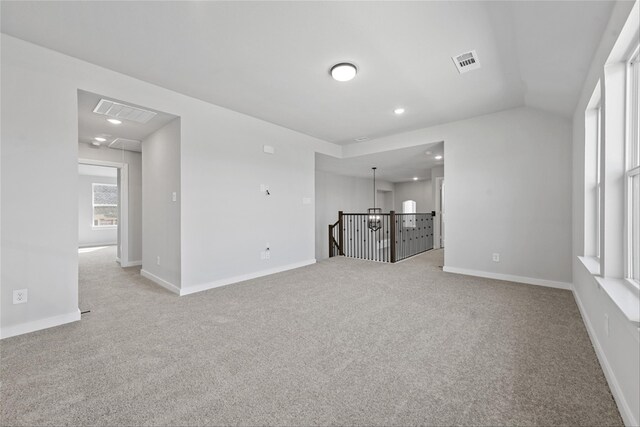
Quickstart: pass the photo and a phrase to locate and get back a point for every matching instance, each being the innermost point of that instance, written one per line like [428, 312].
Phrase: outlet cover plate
[20, 296]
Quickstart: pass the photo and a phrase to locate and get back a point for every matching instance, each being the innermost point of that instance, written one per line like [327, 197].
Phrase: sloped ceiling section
[553, 43]
[271, 59]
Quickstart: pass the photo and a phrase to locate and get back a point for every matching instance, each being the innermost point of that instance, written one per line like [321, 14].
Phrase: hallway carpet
[343, 342]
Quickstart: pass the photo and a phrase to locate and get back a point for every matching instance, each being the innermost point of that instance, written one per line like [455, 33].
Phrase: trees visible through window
[105, 205]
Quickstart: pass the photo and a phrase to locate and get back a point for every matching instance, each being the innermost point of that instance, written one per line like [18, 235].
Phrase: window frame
[94, 205]
[598, 183]
[632, 160]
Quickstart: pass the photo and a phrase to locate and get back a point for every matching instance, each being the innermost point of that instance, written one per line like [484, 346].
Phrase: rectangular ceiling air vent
[362, 138]
[126, 144]
[466, 61]
[122, 111]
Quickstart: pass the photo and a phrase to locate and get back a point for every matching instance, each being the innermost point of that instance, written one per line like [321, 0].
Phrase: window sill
[592, 264]
[624, 294]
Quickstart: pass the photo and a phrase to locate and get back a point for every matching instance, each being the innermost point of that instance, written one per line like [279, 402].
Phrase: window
[409, 207]
[598, 188]
[633, 170]
[105, 205]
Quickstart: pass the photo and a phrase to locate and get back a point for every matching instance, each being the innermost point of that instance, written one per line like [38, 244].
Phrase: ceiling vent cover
[126, 144]
[466, 61]
[122, 111]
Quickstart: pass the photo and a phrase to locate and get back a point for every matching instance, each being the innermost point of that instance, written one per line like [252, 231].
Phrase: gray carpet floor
[341, 342]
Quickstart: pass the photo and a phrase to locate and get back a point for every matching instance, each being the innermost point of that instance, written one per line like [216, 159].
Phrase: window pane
[634, 149]
[105, 216]
[105, 194]
[635, 228]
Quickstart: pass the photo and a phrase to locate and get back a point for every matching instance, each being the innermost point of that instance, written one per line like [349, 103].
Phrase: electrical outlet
[20, 296]
[606, 324]
[174, 196]
[496, 257]
[158, 260]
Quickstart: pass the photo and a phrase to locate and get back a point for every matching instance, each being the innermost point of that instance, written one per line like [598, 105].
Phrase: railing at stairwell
[400, 236]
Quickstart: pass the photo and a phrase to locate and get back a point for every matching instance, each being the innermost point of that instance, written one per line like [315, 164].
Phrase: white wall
[134, 160]
[419, 191]
[222, 166]
[87, 234]
[160, 213]
[436, 172]
[335, 193]
[508, 189]
[618, 350]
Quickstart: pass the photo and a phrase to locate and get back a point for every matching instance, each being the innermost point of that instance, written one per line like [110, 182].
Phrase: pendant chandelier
[375, 214]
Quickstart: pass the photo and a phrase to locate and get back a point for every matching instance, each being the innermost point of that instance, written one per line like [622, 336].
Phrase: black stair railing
[400, 236]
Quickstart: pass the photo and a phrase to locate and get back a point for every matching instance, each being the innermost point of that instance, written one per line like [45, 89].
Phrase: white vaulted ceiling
[271, 59]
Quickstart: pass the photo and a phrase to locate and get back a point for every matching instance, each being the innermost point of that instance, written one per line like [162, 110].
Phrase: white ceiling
[394, 166]
[93, 170]
[271, 59]
[91, 125]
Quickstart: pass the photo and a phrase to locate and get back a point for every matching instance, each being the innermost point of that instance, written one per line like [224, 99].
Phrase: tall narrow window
[633, 171]
[105, 205]
[598, 188]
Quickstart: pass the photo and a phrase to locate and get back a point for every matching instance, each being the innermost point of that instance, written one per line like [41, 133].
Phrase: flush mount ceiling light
[415, 178]
[114, 121]
[95, 143]
[97, 138]
[398, 111]
[344, 71]
[438, 157]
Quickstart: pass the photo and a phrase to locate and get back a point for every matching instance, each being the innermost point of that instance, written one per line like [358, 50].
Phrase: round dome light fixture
[344, 71]
[100, 139]
[398, 111]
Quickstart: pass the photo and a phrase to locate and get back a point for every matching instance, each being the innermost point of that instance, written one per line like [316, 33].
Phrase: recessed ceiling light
[96, 143]
[427, 152]
[415, 178]
[97, 138]
[343, 72]
[399, 111]
[438, 157]
[114, 121]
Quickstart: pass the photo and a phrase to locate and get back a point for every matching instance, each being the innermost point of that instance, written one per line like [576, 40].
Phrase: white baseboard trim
[223, 282]
[509, 278]
[169, 286]
[130, 263]
[623, 406]
[97, 245]
[36, 325]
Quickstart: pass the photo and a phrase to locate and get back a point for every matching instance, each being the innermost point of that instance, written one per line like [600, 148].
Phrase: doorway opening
[111, 137]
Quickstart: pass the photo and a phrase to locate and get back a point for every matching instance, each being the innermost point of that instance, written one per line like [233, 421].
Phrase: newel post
[393, 235]
[340, 233]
